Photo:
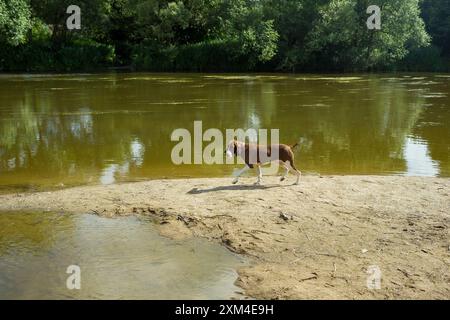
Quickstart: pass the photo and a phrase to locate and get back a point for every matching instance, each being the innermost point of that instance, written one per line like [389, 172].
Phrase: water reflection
[418, 160]
[137, 152]
[81, 124]
[108, 174]
[115, 127]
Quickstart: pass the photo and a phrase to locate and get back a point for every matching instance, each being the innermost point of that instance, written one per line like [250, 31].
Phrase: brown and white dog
[257, 155]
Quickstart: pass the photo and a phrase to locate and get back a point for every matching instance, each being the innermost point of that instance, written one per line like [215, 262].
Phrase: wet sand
[315, 240]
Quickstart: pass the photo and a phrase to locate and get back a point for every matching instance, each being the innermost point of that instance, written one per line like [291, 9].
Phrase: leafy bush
[85, 55]
[216, 55]
[39, 56]
[424, 59]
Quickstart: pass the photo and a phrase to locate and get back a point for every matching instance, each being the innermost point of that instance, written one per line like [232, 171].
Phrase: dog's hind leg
[292, 167]
[283, 177]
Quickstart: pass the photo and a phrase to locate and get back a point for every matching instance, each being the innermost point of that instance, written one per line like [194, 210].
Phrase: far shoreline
[249, 73]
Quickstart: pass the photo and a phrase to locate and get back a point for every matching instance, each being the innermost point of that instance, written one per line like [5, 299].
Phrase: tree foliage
[215, 35]
[436, 14]
[15, 21]
[340, 34]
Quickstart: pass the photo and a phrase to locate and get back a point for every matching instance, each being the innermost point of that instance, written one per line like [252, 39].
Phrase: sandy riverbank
[314, 240]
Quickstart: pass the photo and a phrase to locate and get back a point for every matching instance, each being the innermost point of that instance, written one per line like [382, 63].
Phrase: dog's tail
[295, 145]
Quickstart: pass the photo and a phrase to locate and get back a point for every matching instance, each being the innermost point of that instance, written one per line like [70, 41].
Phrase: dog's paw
[257, 183]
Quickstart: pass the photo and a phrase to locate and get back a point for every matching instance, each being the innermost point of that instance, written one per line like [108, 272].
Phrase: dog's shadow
[235, 187]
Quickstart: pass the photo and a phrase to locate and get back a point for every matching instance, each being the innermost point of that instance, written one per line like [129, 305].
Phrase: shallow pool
[120, 258]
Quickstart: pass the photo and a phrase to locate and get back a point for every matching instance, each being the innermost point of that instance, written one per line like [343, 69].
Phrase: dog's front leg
[258, 182]
[240, 172]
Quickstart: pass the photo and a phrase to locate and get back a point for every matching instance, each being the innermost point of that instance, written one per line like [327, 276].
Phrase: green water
[63, 130]
[121, 258]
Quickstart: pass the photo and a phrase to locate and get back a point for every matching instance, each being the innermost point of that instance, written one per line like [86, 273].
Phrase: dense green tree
[94, 17]
[15, 21]
[237, 27]
[206, 35]
[175, 22]
[293, 20]
[122, 30]
[243, 21]
[341, 40]
[436, 14]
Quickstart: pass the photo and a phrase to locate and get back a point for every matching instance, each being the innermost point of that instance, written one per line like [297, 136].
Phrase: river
[65, 130]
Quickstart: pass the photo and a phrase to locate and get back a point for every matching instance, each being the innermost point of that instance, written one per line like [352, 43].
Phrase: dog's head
[231, 149]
